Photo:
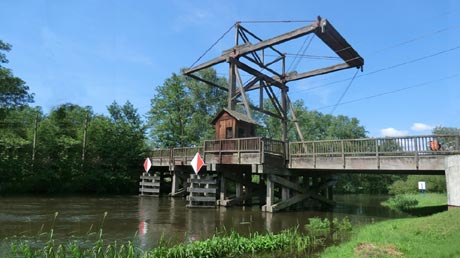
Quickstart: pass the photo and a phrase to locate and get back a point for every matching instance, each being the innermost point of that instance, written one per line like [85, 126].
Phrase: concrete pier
[453, 181]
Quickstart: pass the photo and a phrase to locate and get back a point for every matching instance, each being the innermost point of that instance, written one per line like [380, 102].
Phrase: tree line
[71, 149]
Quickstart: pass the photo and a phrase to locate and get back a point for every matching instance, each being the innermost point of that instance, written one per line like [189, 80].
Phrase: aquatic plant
[223, 244]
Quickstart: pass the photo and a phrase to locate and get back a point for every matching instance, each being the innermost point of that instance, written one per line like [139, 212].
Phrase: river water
[146, 219]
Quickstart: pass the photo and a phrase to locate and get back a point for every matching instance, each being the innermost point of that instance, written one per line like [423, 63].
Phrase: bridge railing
[394, 146]
[275, 147]
[252, 144]
[161, 157]
[185, 154]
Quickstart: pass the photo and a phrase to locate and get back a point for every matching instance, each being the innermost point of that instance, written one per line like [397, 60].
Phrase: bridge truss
[264, 61]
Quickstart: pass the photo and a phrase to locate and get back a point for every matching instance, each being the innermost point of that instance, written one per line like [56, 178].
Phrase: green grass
[433, 236]
[424, 200]
[430, 199]
[418, 204]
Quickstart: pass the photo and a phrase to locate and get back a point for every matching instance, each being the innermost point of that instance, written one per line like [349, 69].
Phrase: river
[146, 219]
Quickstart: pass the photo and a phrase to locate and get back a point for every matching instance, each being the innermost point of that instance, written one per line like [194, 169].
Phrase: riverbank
[418, 204]
[432, 236]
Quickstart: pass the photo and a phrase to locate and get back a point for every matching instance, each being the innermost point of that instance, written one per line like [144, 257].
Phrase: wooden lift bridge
[290, 175]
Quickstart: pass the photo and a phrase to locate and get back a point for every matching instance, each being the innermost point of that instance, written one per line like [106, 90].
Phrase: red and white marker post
[197, 163]
[147, 165]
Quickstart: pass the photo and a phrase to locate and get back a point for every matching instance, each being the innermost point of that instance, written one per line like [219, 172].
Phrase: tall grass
[290, 242]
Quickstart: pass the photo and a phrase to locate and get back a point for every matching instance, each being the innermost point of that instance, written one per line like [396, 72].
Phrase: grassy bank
[418, 204]
[423, 200]
[433, 236]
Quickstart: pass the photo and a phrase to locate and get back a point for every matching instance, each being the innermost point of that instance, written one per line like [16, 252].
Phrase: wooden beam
[256, 73]
[261, 65]
[243, 94]
[265, 112]
[286, 183]
[275, 40]
[289, 202]
[332, 38]
[294, 76]
[256, 37]
[205, 65]
[208, 82]
[294, 118]
[246, 87]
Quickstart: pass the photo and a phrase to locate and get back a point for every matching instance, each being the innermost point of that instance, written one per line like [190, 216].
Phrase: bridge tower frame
[269, 76]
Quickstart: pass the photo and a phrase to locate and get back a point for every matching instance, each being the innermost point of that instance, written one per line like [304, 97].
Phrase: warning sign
[197, 163]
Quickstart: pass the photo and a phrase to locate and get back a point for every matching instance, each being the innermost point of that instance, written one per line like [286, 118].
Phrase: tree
[116, 148]
[13, 90]
[207, 101]
[446, 130]
[315, 125]
[59, 149]
[16, 137]
[183, 108]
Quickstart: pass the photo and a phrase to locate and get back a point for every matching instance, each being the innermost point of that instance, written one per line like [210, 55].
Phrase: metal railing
[394, 146]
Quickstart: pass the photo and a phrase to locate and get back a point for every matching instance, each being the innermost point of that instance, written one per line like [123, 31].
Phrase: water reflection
[170, 219]
[148, 219]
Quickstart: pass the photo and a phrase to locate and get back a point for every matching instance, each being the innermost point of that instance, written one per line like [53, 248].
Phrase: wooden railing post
[416, 152]
[239, 150]
[314, 154]
[457, 143]
[377, 153]
[343, 153]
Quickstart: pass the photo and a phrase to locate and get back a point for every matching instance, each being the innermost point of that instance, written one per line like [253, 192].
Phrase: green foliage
[182, 110]
[314, 125]
[13, 90]
[105, 161]
[402, 202]
[422, 203]
[365, 183]
[446, 130]
[434, 184]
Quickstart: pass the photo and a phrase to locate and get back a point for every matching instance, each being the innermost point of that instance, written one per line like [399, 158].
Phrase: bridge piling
[453, 181]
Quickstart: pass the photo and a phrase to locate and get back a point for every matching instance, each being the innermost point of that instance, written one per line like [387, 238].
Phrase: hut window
[229, 133]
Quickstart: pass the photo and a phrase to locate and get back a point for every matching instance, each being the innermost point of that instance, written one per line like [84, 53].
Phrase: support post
[452, 164]
[175, 183]
[223, 189]
[269, 200]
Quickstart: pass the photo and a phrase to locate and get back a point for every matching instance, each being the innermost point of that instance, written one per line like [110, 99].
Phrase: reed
[290, 242]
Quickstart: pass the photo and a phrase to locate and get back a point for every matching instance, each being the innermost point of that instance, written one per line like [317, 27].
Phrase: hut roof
[238, 116]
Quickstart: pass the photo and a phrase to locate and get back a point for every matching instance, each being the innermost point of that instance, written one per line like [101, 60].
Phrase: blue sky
[92, 53]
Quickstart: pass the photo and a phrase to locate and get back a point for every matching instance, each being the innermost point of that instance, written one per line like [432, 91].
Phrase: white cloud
[421, 127]
[391, 132]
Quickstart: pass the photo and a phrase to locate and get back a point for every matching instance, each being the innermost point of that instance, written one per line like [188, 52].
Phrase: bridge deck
[413, 153]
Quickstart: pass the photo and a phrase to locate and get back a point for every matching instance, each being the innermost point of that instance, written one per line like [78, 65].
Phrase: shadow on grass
[426, 211]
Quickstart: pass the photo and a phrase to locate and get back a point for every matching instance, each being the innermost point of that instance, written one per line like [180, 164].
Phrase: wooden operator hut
[231, 124]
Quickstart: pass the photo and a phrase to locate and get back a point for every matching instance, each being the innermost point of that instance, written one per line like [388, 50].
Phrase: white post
[452, 164]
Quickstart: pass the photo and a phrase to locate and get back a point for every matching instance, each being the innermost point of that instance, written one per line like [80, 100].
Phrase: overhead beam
[265, 112]
[332, 38]
[247, 48]
[256, 73]
[208, 82]
[294, 76]
[241, 50]
[205, 65]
